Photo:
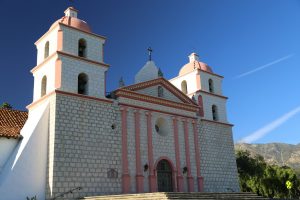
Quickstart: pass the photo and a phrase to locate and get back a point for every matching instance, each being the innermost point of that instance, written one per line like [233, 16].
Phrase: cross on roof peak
[150, 53]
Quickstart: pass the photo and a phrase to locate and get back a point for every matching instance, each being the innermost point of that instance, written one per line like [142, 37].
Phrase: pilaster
[139, 176]
[190, 179]
[125, 171]
[177, 156]
[152, 179]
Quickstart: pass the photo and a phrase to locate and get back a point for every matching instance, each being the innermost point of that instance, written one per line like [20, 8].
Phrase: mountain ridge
[281, 154]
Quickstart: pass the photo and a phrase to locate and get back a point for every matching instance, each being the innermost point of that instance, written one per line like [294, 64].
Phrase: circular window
[161, 127]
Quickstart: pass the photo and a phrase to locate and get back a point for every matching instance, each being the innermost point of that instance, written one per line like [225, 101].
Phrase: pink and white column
[139, 176]
[177, 156]
[151, 177]
[125, 171]
[190, 179]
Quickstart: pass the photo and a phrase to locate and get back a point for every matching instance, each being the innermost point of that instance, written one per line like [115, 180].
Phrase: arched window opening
[211, 85]
[44, 86]
[160, 91]
[200, 103]
[82, 84]
[46, 50]
[214, 112]
[82, 48]
[184, 87]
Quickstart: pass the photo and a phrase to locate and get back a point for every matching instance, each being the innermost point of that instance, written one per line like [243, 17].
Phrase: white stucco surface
[6, 148]
[50, 37]
[148, 72]
[24, 174]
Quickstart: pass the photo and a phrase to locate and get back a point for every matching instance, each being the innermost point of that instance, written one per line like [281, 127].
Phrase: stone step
[180, 195]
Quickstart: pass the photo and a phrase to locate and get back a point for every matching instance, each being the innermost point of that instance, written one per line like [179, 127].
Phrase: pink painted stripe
[60, 40]
[200, 103]
[197, 156]
[187, 156]
[58, 65]
[139, 176]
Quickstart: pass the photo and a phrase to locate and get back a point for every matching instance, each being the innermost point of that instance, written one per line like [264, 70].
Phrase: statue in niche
[112, 173]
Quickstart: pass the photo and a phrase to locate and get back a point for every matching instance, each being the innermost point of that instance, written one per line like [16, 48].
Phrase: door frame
[173, 169]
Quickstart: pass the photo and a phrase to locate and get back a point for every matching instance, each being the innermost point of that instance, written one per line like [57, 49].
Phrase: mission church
[154, 135]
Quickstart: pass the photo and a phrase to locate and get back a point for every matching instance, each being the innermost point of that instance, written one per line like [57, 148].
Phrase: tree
[6, 105]
[267, 180]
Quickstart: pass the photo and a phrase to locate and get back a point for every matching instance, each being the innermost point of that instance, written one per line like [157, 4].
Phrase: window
[82, 84]
[200, 103]
[160, 91]
[82, 48]
[211, 85]
[161, 127]
[46, 50]
[184, 87]
[44, 86]
[214, 112]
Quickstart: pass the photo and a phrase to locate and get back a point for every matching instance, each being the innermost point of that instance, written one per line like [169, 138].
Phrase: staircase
[181, 195]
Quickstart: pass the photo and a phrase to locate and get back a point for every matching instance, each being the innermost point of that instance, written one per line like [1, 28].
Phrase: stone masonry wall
[71, 68]
[217, 158]
[84, 148]
[94, 44]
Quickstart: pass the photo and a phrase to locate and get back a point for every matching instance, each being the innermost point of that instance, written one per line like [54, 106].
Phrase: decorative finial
[159, 73]
[121, 82]
[150, 53]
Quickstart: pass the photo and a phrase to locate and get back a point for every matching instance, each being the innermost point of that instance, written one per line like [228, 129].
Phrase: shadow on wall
[24, 174]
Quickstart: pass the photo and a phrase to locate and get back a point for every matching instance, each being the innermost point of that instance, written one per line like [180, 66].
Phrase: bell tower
[197, 80]
[70, 59]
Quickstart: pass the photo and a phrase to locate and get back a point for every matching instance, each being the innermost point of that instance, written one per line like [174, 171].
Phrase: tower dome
[70, 19]
[193, 64]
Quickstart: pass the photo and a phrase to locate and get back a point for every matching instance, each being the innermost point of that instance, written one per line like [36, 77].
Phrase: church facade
[154, 135]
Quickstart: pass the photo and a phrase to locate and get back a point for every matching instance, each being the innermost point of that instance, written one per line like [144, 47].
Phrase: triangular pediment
[151, 88]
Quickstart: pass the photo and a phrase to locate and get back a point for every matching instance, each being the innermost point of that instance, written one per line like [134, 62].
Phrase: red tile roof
[11, 122]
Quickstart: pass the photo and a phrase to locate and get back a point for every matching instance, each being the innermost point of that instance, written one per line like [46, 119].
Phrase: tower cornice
[83, 59]
[216, 122]
[209, 93]
[61, 53]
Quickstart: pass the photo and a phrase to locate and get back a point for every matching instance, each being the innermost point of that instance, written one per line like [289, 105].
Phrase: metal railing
[65, 193]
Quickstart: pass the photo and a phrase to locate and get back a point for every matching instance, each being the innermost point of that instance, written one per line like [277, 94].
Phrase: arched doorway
[164, 176]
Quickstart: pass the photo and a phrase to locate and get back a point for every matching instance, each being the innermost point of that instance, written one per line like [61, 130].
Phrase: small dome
[194, 64]
[73, 22]
[70, 19]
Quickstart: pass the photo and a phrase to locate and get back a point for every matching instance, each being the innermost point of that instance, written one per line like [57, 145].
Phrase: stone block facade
[85, 143]
[70, 70]
[218, 164]
[94, 43]
[83, 147]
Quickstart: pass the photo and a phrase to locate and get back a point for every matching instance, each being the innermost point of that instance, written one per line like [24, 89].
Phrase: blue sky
[254, 44]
